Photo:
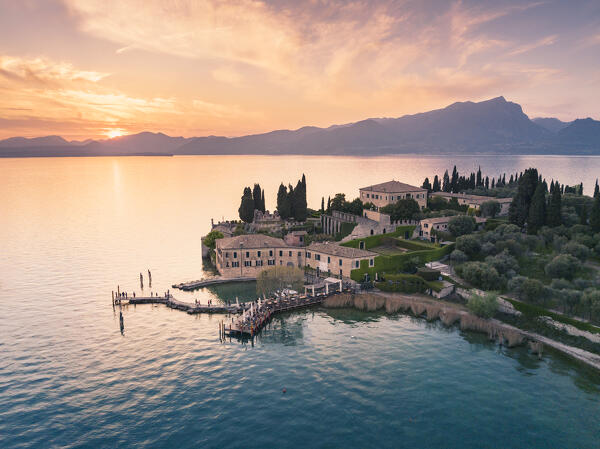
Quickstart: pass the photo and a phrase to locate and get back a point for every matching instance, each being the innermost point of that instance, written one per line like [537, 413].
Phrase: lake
[72, 229]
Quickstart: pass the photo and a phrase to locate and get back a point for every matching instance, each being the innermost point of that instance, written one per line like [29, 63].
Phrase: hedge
[414, 246]
[396, 263]
[375, 240]
[405, 283]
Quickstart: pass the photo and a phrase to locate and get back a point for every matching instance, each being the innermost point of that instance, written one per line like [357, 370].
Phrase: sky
[96, 68]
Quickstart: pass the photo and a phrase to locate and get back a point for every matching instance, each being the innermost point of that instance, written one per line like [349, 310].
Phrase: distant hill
[582, 133]
[551, 124]
[491, 126]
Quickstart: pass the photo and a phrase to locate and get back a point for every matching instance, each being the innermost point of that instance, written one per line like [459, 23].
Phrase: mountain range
[487, 127]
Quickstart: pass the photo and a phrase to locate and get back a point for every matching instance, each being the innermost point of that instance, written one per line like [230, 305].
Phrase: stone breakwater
[449, 314]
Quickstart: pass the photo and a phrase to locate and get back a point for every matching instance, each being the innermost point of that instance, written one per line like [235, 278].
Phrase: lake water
[73, 229]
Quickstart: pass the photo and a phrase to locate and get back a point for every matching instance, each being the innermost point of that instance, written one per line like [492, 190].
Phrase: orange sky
[89, 69]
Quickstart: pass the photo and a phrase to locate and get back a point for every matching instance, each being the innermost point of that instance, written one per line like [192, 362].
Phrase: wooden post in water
[141, 281]
[149, 278]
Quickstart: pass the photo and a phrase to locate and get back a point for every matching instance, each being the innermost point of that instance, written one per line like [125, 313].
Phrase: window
[247, 253]
[317, 257]
[234, 255]
[257, 254]
[259, 263]
[357, 264]
[341, 261]
[270, 253]
[307, 255]
[247, 263]
[328, 259]
[290, 254]
[299, 253]
[281, 254]
[425, 225]
[281, 262]
[226, 255]
[361, 245]
[371, 262]
[235, 264]
[227, 265]
[270, 262]
[368, 196]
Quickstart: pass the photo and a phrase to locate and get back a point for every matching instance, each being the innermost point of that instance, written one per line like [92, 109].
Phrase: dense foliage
[291, 202]
[484, 306]
[404, 209]
[551, 268]
[211, 238]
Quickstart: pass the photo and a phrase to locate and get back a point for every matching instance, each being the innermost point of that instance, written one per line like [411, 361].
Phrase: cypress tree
[487, 182]
[596, 189]
[291, 201]
[446, 183]
[427, 185]
[256, 196]
[300, 208]
[595, 215]
[479, 180]
[493, 183]
[518, 213]
[537, 210]
[328, 204]
[322, 204]
[283, 205]
[262, 201]
[554, 217]
[246, 209]
[454, 180]
[436, 184]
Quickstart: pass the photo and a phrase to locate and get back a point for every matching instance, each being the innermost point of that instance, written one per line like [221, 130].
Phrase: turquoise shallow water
[71, 230]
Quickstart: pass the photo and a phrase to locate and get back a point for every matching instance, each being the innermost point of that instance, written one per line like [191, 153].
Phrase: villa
[248, 255]
[389, 192]
[335, 259]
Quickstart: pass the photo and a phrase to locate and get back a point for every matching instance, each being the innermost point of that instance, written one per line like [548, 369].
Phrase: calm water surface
[72, 229]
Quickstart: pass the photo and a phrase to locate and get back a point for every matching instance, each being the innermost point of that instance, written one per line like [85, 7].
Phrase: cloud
[548, 40]
[42, 70]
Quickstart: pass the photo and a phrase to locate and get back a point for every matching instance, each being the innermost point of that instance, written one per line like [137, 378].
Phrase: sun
[114, 132]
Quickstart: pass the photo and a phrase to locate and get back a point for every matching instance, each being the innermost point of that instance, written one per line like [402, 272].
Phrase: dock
[191, 308]
[193, 285]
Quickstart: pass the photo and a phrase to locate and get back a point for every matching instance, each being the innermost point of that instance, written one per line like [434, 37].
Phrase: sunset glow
[75, 68]
[112, 133]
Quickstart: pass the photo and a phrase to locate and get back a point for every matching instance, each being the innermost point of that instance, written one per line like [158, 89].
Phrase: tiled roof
[250, 241]
[334, 249]
[392, 187]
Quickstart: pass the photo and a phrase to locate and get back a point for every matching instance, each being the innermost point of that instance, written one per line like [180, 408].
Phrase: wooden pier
[172, 303]
[193, 285]
[254, 318]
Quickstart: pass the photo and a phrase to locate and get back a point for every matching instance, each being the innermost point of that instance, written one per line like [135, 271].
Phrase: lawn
[388, 250]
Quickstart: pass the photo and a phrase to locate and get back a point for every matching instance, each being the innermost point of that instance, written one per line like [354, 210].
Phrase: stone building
[266, 221]
[295, 238]
[389, 192]
[475, 201]
[337, 260]
[248, 255]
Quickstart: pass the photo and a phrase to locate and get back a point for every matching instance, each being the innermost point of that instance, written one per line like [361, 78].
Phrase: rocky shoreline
[451, 314]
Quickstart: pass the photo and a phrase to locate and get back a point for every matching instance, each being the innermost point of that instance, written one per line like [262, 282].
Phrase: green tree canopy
[404, 209]
[461, 225]
[490, 208]
[211, 238]
[283, 204]
[537, 210]
[483, 306]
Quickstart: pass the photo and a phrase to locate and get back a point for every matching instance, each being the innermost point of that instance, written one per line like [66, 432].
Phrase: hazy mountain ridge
[490, 126]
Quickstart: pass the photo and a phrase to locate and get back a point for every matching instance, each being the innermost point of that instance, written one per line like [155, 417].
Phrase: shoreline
[451, 313]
